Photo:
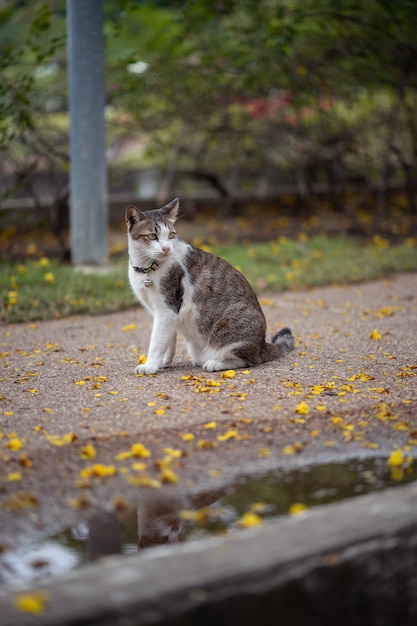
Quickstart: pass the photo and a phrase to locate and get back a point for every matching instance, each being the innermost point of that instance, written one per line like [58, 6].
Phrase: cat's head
[151, 233]
[159, 521]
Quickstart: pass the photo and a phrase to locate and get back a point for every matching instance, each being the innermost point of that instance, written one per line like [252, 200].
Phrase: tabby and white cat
[196, 294]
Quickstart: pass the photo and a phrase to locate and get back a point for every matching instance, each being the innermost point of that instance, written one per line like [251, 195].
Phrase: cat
[194, 293]
[159, 521]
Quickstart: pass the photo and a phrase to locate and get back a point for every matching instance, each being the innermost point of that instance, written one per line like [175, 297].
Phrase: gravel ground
[68, 390]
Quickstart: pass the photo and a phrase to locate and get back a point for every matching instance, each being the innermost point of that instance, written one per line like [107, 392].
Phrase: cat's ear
[170, 210]
[133, 215]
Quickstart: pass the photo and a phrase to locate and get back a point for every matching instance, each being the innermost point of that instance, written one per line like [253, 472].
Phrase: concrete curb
[349, 563]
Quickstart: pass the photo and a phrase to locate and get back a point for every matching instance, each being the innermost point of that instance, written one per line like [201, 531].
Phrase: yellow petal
[396, 458]
[139, 450]
[205, 444]
[33, 602]
[228, 374]
[173, 452]
[144, 481]
[88, 452]
[230, 434]
[14, 444]
[168, 476]
[128, 327]
[249, 519]
[122, 456]
[297, 508]
[138, 467]
[14, 476]
[302, 408]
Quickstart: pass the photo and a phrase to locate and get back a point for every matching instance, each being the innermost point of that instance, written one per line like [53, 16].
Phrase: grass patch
[43, 289]
[294, 264]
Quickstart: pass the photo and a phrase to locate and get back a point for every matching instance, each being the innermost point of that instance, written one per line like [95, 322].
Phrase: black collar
[145, 270]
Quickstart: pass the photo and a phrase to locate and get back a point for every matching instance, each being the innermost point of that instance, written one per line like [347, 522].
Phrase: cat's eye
[171, 234]
[152, 237]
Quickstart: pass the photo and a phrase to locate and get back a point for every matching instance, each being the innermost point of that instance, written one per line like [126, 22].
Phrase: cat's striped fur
[196, 294]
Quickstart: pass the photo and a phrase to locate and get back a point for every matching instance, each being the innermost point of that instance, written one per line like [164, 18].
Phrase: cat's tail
[282, 344]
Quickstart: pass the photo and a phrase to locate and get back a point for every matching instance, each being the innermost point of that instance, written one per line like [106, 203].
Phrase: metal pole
[88, 181]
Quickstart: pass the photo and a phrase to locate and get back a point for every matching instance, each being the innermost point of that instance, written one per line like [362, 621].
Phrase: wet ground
[165, 519]
[79, 431]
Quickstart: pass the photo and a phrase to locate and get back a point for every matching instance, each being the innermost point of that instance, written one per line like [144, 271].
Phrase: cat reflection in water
[194, 293]
[161, 518]
[159, 521]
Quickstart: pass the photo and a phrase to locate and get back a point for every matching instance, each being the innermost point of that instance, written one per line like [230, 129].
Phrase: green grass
[43, 289]
[35, 291]
[294, 264]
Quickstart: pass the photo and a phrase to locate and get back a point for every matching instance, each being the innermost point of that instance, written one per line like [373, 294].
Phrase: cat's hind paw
[145, 368]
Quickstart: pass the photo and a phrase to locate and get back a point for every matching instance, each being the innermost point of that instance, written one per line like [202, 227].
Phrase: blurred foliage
[296, 91]
[240, 95]
[32, 86]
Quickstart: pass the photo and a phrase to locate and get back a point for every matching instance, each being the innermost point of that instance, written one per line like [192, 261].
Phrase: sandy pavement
[69, 399]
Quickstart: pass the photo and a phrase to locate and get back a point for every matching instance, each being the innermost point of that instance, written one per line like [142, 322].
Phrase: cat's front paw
[146, 368]
[213, 366]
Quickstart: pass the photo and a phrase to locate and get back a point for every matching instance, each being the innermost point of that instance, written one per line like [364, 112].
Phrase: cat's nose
[166, 249]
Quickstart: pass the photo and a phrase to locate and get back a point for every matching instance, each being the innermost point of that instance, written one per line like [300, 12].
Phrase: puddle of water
[164, 518]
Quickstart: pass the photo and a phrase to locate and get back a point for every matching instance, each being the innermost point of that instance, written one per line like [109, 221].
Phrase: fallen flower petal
[128, 327]
[297, 508]
[14, 444]
[99, 470]
[88, 452]
[249, 520]
[25, 461]
[14, 476]
[173, 452]
[33, 602]
[205, 444]
[230, 434]
[139, 450]
[123, 455]
[396, 458]
[168, 476]
[67, 438]
[302, 408]
[144, 481]
[138, 467]
[228, 374]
